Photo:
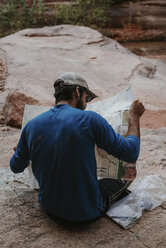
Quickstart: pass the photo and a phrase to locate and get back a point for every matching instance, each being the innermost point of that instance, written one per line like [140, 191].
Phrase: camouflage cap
[72, 78]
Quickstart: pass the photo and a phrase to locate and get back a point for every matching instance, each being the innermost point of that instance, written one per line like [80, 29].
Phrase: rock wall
[143, 14]
[138, 20]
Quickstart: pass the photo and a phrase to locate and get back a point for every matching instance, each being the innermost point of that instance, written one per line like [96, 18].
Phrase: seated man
[60, 143]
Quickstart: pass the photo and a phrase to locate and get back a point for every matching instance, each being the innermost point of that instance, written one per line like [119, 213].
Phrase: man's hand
[136, 111]
[15, 148]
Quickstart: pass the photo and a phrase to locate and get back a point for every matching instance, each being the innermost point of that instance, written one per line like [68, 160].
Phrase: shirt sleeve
[126, 149]
[20, 159]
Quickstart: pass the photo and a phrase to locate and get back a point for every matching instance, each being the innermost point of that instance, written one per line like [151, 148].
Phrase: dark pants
[112, 190]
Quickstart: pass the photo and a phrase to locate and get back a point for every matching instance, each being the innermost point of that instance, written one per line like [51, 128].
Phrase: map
[31, 111]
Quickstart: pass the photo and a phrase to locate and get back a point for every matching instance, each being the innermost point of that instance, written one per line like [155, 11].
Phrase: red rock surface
[13, 110]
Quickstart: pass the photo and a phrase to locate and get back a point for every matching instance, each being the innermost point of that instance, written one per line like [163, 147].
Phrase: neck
[67, 102]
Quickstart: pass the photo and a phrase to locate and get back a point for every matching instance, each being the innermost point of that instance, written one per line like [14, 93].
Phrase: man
[60, 144]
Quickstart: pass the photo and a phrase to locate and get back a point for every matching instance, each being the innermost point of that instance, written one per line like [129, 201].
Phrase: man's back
[61, 148]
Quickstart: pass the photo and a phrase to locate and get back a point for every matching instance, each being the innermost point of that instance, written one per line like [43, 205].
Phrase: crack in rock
[133, 71]
[148, 71]
[45, 35]
[95, 42]
[144, 70]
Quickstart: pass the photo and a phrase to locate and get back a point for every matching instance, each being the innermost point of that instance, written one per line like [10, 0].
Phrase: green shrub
[16, 15]
[85, 12]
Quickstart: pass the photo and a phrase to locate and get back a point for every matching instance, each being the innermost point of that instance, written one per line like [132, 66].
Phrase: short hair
[65, 92]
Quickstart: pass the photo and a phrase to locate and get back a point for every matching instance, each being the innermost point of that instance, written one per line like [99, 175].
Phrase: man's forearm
[20, 158]
[18, 163]
[134, 126]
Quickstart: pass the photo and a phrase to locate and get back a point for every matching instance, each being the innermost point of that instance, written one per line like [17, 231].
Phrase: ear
[78, 92]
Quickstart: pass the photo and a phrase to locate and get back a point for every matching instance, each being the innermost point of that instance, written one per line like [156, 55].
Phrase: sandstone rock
[36, 57]
[138, 20]
[146, 14]
[154, 119]
[13, 110]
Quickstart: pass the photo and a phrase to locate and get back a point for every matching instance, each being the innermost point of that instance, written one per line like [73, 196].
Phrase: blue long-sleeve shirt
[60, 144]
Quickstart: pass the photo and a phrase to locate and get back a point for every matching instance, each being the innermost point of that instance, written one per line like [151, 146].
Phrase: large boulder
[36, 57]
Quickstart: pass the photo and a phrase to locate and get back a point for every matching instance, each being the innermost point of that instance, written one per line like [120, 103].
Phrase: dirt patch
[25, 224]
[134, 33]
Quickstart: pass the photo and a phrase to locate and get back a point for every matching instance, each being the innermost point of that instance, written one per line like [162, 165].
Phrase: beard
[80, 104]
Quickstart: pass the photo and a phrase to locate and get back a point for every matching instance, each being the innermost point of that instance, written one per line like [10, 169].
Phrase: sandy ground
[24, 224]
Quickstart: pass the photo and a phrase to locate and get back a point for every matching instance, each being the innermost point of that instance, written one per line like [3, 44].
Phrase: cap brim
[90, 95]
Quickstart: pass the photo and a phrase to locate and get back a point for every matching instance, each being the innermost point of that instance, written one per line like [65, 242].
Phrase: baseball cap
[72, 78]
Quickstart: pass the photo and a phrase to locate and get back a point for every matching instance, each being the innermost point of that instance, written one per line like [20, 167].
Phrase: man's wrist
[135, 119]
